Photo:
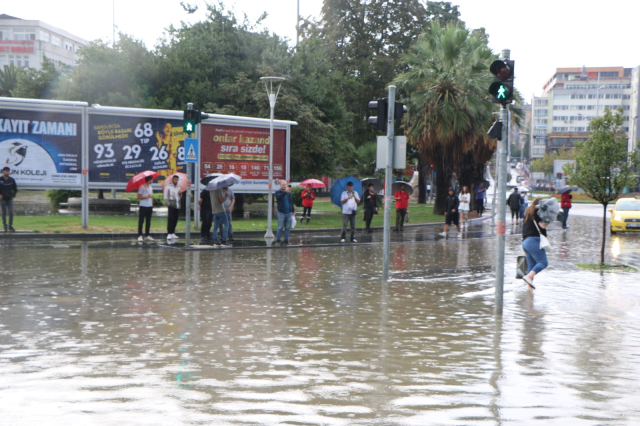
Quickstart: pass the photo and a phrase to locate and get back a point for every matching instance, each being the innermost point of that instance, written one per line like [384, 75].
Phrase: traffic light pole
[501, 201]
[388, 198]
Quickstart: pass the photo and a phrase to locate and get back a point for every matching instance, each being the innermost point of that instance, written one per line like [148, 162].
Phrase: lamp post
[272, 94]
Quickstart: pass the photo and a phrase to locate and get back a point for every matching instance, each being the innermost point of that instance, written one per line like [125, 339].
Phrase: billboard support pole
[84, 178]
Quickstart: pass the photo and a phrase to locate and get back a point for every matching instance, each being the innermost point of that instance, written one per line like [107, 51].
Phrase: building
[25, 43]
[573, 97]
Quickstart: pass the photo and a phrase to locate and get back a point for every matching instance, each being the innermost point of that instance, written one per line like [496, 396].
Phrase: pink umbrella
[182, 181]
[138, 180]
[315, 183]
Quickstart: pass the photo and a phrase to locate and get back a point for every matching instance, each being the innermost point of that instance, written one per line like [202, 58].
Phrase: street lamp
[269, 83]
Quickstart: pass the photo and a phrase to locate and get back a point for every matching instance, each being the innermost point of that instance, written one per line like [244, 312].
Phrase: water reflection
[116, 333]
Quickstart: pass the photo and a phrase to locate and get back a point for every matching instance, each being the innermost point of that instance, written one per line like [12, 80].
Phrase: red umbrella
[138, 180]
[182, 181]
[315, 183]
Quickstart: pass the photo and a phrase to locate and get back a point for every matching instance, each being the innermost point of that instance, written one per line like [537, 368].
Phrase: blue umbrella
[566, 188]
[341, 185]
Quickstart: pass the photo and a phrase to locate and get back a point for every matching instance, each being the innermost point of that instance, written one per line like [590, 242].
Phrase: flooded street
[112, 333]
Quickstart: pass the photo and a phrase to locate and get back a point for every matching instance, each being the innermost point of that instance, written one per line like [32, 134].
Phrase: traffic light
[502, 87]
[190, 118]
[495, 131]
[399, 111]
[381, 106]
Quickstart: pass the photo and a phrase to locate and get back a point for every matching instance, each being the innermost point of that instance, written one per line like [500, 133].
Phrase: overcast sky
[542, 35]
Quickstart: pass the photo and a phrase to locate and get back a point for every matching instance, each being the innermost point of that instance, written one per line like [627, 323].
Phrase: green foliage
[545, 164]
[157, 199]
[57, 196]
[296, 194]
[604, 167]
[39, 84]
[9, 79]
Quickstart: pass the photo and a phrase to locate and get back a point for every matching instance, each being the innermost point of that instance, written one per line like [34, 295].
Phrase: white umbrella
[222, 181]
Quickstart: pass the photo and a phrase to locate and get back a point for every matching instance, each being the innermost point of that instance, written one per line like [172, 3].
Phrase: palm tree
[449, 110]
[8, 79]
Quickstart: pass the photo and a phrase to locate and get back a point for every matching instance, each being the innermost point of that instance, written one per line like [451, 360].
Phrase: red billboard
[243, 151]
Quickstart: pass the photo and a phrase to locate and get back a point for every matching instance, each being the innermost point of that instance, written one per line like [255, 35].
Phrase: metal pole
[84, 179]
[502, 209]
[272, 105]
[187, 219]
[298, 25]
[501, 202]
[388, 198]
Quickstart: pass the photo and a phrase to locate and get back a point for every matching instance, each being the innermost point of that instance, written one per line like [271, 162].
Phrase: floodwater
[120, 334]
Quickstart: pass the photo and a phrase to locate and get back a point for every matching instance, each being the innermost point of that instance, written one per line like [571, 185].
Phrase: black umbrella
[396, 187]
[377, 185]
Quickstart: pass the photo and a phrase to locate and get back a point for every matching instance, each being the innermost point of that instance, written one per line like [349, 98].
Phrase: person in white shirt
[463, 208]
[145, 209]
[350, 200]
[172, 200]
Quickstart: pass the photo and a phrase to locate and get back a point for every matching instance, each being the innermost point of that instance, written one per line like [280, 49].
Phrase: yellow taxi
[625, 215]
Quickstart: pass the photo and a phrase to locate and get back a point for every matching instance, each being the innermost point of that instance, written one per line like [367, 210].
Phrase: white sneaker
[175, 237]
[140, 239]
[149, 238]
[459, 234]
[443, 234]
[342, 240]
[169, 239]
[354, 241]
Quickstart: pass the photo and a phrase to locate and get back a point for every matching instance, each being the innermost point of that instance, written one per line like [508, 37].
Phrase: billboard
[122, 146]
[244, 151]
[42, 148]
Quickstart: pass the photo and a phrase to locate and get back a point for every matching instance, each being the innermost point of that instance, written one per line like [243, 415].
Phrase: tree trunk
[604, 234]
[422, 181]
[238, 207]
[442, 187]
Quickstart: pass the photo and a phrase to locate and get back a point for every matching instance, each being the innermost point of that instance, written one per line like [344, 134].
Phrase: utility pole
[386, 232]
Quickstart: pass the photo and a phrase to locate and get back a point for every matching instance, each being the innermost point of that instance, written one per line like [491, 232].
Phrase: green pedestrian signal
[191, 117]
[189, 127]
[502, 87]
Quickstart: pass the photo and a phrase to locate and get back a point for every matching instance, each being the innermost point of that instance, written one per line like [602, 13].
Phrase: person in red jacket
[565, 203]
[307, 202]
[402, 204]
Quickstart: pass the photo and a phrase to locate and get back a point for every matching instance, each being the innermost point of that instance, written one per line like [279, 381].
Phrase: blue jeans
[220, 221]
[284, 221]
[536, 257]
[230, 233]
[565, 210]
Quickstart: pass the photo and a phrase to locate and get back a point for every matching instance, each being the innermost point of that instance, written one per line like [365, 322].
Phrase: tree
[448, 106]
[545, 164]
[39, 84]
[603, 164]
[8, 79]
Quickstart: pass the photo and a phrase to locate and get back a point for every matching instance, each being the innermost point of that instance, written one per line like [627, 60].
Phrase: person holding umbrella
[206, 215]
[370, 206]
[172, 201]
[451, 213]
[307, 202]
[349, 200]
[145, 209]
[401, 198]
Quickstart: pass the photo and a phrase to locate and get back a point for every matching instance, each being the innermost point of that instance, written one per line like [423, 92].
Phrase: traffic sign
[192, 150]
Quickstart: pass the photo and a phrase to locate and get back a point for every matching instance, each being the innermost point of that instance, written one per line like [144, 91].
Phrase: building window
[560, 129]
[540, 121]
[45, 36]
[591, 107]
[577, 129]
[540, 132]
[609, 74]
[626, 96]
[56, 41]
[578, 107]
[538, 151]
[540, 112]
[541, 102]
[24, 34]
[560, 107]
[563, 96]
[560, 118]
[594, 96]
[578, 96]
[3, 61]
[5, 34]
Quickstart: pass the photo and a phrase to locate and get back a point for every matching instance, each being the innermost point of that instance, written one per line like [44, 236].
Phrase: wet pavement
[116, 333]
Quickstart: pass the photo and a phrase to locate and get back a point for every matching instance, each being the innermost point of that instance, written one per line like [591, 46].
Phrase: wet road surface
[117, 334]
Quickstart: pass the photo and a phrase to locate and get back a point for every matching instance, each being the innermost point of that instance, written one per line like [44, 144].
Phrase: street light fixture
[272, 84]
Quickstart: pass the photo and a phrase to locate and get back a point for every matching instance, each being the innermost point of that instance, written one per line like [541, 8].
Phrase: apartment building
[572, 97]
[24, 43]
